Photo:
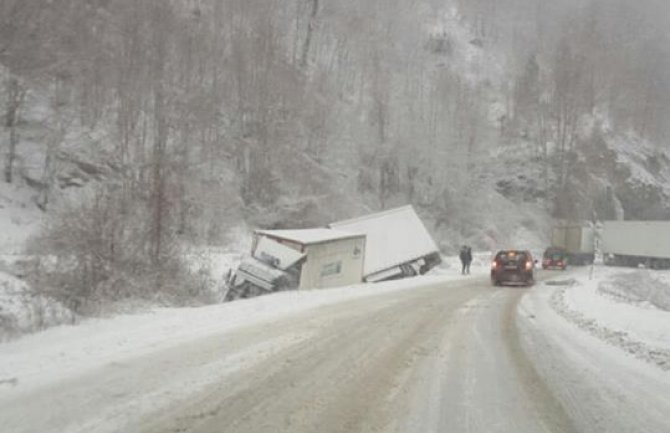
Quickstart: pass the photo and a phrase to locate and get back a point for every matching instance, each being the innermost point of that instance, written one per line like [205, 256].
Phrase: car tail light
[494, 265]
[560, 263]
[529, 265]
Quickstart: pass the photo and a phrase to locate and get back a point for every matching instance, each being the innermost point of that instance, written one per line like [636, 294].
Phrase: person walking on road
[463, 255]
[468, 259]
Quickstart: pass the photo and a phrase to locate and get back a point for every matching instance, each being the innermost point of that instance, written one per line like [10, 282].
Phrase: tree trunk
[15, 94]
[311, 25]
[158, 182]
[160, 137]
[11, 154]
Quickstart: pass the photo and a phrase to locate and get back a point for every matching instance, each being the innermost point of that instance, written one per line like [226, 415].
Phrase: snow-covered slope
[23, 311]
[19, 217]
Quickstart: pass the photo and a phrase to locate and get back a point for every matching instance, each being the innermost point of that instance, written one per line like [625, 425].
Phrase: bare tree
[15, 95]
[311, 26]
[159, 206]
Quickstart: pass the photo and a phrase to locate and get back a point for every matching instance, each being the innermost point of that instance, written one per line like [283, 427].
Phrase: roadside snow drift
[607, 359]
[64, 351]
[627, 309]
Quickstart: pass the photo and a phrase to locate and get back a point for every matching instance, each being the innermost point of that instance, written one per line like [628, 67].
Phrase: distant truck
[635, 243]
[577, 240]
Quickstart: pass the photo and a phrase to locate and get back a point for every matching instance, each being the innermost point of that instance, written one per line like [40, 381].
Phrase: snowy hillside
[19, 218]
[503, 169]
[164, 163]
[121, 162]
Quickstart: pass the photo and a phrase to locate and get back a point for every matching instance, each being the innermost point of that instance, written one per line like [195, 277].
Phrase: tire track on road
[549, 409]
[349, 378]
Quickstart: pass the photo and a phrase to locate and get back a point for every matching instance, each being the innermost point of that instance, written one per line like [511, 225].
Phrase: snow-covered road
[606, 361]
[425, 355]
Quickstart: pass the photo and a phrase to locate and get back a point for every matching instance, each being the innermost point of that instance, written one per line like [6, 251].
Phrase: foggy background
[142, 127]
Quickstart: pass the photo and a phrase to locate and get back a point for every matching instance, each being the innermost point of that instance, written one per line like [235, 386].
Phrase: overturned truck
[290, 259]
[398, 244]
[383, 246]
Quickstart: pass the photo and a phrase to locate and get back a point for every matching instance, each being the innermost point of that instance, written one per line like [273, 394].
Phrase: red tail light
[494, 265]
[529, 265]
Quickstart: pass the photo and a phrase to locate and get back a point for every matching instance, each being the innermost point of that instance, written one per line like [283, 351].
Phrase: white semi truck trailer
[635, 243]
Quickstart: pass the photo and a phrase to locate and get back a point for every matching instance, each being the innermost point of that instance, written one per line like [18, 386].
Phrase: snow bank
[592, 356]
[645, 287]
[65, 351]
[615, 307]
[22, 311]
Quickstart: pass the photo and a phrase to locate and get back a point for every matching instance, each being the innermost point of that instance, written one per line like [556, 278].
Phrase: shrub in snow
[22, 310]
[108, 249]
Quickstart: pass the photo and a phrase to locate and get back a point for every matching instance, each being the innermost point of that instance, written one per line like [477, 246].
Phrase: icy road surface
[443, 356]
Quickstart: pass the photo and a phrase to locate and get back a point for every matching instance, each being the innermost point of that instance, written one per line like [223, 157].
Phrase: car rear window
[511, 256]
[554, 253]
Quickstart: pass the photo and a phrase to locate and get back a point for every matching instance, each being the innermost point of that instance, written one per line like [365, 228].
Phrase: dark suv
[555, 258]
[512, 266]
